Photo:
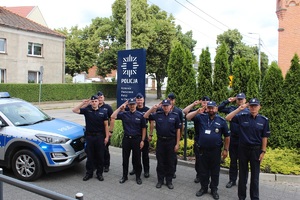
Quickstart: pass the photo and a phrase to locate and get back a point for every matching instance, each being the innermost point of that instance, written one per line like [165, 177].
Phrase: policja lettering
[131, 80]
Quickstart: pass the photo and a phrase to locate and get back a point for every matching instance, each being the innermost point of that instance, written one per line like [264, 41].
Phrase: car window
[23, 113]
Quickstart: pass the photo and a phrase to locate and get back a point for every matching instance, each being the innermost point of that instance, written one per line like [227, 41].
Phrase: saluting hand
[197, 102]
[242, 107]
[231, 99]
[201, 110]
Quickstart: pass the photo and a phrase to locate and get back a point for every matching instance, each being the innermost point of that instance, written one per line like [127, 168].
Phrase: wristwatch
[263, 151]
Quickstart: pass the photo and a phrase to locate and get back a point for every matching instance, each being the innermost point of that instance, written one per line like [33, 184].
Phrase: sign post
[131, 74]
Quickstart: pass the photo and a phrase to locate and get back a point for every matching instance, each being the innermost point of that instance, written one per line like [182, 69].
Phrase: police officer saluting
[168, 135]
[254, 135]
[240, 99]
[190, 108]
[145, 150]
[108, 109]
[134, 125]
[96, 135]
[211, 127]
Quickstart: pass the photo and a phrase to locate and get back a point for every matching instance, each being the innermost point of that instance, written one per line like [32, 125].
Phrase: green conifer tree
[204, 79]
[291, 89]
[221, 74]
[271, 102]
[187, 94]
[175, 65]
[254, 80]
[240, 76]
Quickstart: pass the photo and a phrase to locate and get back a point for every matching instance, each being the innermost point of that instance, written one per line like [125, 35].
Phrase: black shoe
[146, 175]
[215, 194]
[123, 179]
[230, 184]
[139, 181]
[174, 176]
[106, 169]
[87, 177]
[100, 178]
[201, 192]
[132, 172]
[197, 180]
[159, 184]
[170, 186]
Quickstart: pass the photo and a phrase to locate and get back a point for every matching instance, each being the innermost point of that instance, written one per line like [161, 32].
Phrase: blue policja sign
[131, 74]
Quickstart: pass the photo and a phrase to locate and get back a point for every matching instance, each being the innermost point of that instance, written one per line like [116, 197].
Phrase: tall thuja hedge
[240, 76]
[291, 102]
[221, 74]
[175, 64]
[204, 79]
[272, 106]
[254, 80]
[188, 90]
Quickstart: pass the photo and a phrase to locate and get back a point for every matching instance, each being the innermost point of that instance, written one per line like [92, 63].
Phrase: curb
[262, 176]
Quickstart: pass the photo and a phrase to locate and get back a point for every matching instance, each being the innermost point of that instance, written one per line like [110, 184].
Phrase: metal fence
[34, 189]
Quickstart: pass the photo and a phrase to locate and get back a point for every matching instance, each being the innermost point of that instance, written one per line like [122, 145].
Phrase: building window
[3, 75]
[33, 77]
[2, 45]
[34, 49]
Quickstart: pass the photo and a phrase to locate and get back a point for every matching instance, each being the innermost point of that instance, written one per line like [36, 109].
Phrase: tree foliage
[240, 76]
[204, 79]
[272, 106]
[221, 74]
[291, 89]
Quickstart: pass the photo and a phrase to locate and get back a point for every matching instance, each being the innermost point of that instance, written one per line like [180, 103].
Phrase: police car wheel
[26, 165]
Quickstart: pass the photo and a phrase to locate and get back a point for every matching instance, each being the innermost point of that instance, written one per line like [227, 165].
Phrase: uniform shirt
[196, 127]
[166, 125]
[143, 110]
[176, 110]
[252, 129]
[94, 119]
[107, 108]
[234, 127]
[211, 131]
[133, 122]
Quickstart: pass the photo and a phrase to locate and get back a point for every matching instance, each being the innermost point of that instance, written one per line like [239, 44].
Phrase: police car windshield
[23, 113]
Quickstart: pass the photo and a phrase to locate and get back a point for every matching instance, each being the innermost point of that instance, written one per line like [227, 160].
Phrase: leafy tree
[159, 49]
[186, 39]
[175, 65]
[291, 90]
[80, 55]
[187, 94]
[272, 106]
[221, 73]
[204, 79]
[240, 76]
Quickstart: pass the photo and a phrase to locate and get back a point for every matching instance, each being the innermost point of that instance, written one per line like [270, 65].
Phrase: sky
[206, 18]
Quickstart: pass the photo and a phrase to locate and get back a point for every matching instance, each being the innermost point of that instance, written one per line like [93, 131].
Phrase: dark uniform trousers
[249, 154]
[209, 165]
[145, 156]
[107, 155]
[165, 155]
[131, 143]
[95, 153]
[196, 152]
[233, 154]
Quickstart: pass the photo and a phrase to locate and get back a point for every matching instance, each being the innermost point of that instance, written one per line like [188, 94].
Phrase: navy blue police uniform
[94, 136]
[145, 149]
[234, 139]
[133, 123]
[166, 128]
[253, 130]
[209, 145]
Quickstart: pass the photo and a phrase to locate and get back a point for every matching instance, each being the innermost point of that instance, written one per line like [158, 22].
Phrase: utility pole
[128, 24]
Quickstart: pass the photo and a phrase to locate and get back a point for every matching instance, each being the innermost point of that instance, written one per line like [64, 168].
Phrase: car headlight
[51, 139]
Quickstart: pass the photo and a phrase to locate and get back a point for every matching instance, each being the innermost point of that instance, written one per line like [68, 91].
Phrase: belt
[206, 148]
[166, 138]
[251, 147]
[132, 136]
[87, 133]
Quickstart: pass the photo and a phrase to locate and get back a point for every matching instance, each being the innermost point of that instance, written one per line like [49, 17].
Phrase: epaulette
[174, 113]
[221, 118]
[265, 117]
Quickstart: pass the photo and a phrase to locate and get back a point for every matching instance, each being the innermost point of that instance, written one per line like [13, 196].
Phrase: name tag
[207, 131]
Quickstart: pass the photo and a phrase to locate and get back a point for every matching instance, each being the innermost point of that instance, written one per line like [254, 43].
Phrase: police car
[31, 142]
